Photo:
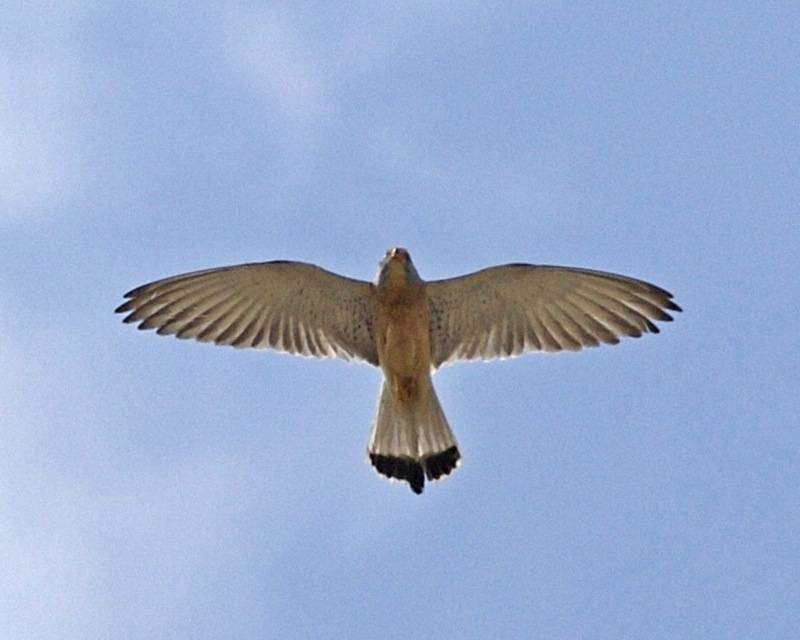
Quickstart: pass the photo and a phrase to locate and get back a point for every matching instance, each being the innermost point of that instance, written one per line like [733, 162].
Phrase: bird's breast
[402, 332]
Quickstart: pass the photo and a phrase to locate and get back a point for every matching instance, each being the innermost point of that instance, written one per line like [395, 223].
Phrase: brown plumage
[404, 325]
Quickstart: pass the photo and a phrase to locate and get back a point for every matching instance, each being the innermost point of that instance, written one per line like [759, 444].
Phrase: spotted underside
[499, 312]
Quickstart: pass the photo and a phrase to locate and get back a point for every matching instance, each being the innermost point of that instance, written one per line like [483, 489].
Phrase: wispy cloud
[40, 154]
[90, 534]
[278, 63]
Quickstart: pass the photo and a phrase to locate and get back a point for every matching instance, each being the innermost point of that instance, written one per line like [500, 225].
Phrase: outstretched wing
[504, 311]
[289, 306]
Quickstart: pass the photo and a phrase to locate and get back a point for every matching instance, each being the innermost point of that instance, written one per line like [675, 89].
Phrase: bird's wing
[504, 311]
[289, 306]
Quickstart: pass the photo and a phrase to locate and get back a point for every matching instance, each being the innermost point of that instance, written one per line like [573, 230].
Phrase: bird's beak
[398, 252]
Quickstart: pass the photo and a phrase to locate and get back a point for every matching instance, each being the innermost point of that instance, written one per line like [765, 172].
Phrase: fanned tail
[411, 441]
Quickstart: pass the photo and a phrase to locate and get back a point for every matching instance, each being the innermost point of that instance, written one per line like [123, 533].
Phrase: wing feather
[289, 306]
[503, 311]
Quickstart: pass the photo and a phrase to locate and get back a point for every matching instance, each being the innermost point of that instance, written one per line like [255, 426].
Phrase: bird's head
[397, 269]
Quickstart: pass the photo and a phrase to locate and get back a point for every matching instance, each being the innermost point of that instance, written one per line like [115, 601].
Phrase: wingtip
[124, 307]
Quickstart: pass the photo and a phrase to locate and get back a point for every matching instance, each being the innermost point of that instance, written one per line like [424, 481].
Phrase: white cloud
[272, 57]
[51, 578]
[40, 154]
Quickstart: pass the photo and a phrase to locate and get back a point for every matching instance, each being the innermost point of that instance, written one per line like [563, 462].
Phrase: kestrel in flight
[406, 326]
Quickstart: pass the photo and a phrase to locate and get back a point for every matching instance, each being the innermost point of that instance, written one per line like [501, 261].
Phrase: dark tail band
[414, 472]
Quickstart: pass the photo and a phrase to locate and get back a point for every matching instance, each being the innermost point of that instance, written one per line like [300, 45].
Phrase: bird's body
[404, 325]
[410, 436]
[401, 328]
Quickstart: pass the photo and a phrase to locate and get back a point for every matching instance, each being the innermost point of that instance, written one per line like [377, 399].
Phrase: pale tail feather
[412, 441]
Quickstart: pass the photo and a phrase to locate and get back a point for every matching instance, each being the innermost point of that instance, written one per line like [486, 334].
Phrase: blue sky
[153, 488]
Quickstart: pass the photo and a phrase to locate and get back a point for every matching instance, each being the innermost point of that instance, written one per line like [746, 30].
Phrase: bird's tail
[410, 439]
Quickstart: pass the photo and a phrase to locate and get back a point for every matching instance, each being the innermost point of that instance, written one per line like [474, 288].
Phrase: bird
[406, 326]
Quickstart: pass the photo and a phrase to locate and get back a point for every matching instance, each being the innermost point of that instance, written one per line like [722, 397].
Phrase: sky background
[154, 488]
